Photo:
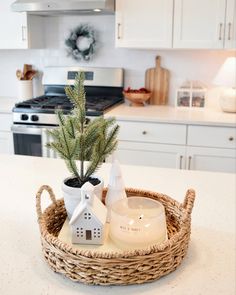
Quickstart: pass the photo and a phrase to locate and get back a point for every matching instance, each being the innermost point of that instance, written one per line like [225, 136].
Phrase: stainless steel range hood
[54, 7]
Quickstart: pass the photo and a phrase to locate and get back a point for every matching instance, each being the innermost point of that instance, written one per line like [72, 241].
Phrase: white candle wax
[137, 222]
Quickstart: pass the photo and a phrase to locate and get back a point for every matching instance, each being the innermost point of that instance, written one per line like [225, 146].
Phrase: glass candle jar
[137, 222]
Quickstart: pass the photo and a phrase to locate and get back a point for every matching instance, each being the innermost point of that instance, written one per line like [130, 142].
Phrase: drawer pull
[118, 31]
[189, 162]
[180, 162]
[23, 33]
[229, 31]
[231, 138]
[144, 132]
[220, 31]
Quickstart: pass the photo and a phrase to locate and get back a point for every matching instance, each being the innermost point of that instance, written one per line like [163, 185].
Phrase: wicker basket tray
[113, 268]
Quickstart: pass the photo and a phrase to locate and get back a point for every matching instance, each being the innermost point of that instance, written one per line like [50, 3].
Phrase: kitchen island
[208, 268]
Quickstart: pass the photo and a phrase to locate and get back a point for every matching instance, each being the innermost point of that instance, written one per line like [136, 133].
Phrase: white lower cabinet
[6, 137]
[211, 159]
[192, 147]
[6, 143]
[146, 154]
[152, 144]
[211, 148]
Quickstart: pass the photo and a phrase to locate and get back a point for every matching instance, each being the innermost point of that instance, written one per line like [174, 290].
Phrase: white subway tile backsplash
[183, 64]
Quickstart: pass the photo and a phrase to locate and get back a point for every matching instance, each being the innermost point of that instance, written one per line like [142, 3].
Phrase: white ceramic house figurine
[89, 218]
[116, 187]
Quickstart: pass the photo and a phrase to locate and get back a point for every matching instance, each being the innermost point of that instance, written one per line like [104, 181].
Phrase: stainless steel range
[32, 117]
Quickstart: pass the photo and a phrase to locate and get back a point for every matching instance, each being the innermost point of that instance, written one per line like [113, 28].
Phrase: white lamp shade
[226, 75]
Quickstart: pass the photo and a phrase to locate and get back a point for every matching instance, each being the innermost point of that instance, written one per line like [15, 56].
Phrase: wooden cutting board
[157, 81]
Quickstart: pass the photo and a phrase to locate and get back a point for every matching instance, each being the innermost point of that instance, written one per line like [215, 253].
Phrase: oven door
[31, 140]
[27, 140]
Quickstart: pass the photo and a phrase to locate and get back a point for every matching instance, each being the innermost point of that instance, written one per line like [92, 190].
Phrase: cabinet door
[144, 24]
[230, 25]
[199, 23]
[211, 159]
[6, 143]
[145, 154]
[13, 27]
[19, 30]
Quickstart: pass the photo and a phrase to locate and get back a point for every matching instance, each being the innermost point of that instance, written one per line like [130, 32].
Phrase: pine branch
[75, 140]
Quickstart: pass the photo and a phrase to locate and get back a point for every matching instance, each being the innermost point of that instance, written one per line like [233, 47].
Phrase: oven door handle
[46, 138]
[31, 130]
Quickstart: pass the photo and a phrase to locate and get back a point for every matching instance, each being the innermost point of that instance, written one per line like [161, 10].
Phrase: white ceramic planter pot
[72, 195]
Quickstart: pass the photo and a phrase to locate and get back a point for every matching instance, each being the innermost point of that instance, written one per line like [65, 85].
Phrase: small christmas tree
[76, 139]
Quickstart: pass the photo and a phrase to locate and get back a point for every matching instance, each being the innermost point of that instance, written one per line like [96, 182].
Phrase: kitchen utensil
[19, 74]
[157, 82]
[26, 68]
[29, 75]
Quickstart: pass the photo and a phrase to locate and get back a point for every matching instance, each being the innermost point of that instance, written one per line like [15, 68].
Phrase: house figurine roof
[90, 201]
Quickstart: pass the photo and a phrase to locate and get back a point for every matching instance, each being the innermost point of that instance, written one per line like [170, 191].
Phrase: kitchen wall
[183, 64]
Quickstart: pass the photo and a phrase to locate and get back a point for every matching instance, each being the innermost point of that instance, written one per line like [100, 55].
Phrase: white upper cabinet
[230, 25]
[144, 24]
[204, 24]
[19, 30]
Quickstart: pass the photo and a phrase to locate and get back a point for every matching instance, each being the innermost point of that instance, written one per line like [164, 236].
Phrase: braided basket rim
[184, 231]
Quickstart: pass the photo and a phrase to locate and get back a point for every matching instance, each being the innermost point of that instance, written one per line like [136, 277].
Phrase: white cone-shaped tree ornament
[116, 187]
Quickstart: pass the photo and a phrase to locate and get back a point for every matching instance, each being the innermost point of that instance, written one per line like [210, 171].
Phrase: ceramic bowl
[137, 99]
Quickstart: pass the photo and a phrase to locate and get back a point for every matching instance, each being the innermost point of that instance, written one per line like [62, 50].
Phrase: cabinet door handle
[229, 31]
[23, 30]
[180, 162]
[144, 132]
[189, 162]
[118, 31]
[231, 138]
[220, 31]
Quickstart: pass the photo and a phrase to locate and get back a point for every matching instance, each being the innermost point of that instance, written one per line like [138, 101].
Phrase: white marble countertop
[6, 104]
[162, 114]
[208, 268]
[170, 114]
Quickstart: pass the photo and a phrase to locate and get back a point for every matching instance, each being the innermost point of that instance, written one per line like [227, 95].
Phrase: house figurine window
[87, 215]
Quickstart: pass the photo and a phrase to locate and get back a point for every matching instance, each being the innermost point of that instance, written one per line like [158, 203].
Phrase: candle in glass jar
[137, 222]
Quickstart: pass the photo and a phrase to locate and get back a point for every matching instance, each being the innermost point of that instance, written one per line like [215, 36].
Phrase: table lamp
[226, 77]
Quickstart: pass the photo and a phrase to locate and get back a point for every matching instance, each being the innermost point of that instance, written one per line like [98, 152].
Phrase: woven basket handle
[189, 201]
[38, 198]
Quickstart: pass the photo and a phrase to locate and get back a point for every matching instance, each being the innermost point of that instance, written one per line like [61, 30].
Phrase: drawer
[211, 136]
[5, 122]
[152, 132]
[6, 143]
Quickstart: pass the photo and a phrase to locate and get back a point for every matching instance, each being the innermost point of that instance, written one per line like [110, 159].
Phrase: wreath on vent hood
[81, 42]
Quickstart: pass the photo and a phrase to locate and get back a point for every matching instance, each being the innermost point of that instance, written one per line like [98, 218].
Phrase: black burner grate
[51, 103]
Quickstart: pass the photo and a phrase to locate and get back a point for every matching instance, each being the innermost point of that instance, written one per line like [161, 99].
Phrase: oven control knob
[34, 118]
[24, 117]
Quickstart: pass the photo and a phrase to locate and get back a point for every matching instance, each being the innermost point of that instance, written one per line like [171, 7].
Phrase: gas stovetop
[103, 88]
[95, 105]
